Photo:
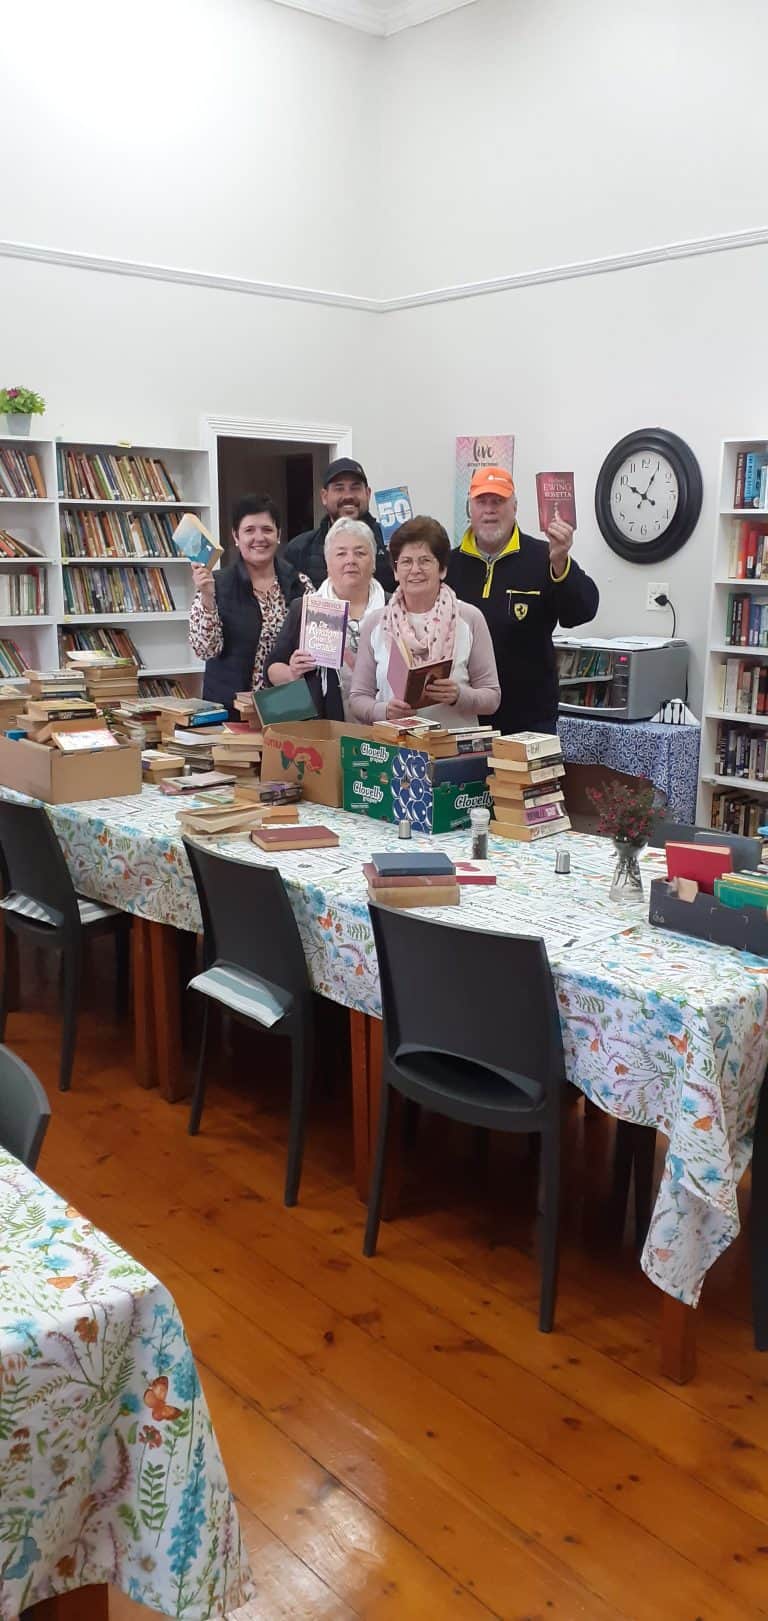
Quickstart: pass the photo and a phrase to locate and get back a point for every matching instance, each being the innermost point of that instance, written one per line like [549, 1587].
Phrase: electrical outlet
[656, 590]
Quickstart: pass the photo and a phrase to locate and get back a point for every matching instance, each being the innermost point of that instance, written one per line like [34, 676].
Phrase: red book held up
[557, 499]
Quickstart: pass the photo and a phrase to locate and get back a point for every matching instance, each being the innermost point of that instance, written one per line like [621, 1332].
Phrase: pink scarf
[439, 635]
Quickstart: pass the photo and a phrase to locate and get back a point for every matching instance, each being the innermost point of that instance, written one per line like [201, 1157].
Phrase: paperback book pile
[139, 720]
[157, 765]
[108, 680]
[412, 878]
[246, 709]
[526, 786]
[440, 741]
[238, 749]
[190, 727]
[236, 816]
[48, 713]
[196, 782]
[12, 701]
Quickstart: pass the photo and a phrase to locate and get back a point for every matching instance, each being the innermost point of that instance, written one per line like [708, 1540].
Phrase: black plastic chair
[24, 1109]
[472, 1031]
[41, 904]
[254, 967]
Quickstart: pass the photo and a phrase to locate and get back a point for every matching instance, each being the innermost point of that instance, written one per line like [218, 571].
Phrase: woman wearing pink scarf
[426, 617]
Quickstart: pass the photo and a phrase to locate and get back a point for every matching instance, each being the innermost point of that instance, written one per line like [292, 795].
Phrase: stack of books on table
[236, 816]
[526, 786]
[246, 709]
[108, 679]
[238, 749]
[54, 720]
[412, 878]
[440, 741]
[190, 727]
[13, 700]
[157, 765]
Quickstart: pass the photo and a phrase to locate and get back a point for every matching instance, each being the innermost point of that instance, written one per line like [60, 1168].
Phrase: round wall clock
[648, 495]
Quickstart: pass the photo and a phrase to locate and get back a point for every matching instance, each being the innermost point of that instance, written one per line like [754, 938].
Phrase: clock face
[644, 496]
[648, 495]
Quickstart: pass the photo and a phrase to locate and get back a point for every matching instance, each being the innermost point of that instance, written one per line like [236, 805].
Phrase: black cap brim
[344, 467]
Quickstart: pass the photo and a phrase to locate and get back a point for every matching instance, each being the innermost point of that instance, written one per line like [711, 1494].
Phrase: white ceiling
[377, 16]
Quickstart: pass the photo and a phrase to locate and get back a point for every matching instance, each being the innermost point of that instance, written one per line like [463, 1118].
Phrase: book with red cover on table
[323, 631]
[308, 837]
[408, 680]
[703, 862]
[556, 496]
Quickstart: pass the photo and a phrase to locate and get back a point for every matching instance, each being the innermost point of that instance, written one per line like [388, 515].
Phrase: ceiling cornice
[380, 17]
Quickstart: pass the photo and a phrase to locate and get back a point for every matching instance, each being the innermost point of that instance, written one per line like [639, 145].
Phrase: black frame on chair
[34, 868]
[472, 1031]
[249, 927]
[24, 1109]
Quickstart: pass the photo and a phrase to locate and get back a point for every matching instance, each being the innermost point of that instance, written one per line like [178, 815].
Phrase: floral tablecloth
[667, 755]
[658, 1029]
[109, 1468]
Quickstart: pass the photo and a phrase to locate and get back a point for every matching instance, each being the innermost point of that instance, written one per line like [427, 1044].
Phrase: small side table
[667, 755]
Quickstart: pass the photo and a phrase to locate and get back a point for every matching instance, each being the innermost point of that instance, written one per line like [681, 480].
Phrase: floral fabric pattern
[206, 634]
[658, 1029]
[109, 1465]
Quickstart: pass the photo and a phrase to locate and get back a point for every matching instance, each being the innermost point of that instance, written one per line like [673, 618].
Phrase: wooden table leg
[143, 1005]
[361, 1131]
[83, 1604]
[164, 959]
[678, 1340]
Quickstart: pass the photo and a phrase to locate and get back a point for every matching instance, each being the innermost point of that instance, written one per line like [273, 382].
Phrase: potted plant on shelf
[625, 812]
[19, 406]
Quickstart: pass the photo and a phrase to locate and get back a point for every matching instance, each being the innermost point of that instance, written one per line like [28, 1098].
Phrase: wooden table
[82, 1604]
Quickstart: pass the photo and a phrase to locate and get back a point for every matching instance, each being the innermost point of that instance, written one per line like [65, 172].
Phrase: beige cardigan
[474, 669]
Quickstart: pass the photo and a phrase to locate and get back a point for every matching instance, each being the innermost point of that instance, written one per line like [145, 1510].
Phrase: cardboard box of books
[308, 752]
[391, 781]
[64, 778]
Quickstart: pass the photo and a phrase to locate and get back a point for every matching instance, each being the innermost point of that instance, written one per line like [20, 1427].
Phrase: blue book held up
[192, 540]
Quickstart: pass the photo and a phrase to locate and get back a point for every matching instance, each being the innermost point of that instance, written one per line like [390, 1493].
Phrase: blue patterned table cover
[109, 1466]
[658, 1029]
[667, 755]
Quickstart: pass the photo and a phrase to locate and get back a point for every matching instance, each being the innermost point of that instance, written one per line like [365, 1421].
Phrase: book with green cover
[739, 890]
[276, 706]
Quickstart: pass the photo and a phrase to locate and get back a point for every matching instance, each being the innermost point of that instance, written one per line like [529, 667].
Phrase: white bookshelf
[727, 529]
[162, 639]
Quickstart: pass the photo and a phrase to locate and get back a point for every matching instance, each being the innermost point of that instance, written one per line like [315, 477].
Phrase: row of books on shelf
[751, 482]
[118, 590]
[13, 546]
[98, 639]
[740, 752]
[742, 687]
[748, 559]
[20, 475]
[737, 813]
[117, 534]
[583, 663]
[746, 620]
[101, 476]
[22, 593]
[589, 696]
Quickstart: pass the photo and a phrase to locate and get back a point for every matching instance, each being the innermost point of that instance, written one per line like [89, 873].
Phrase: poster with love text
[473, 451]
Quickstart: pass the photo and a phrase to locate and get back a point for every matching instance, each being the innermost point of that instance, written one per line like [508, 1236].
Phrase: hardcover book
[323, 631]
[414, 863]
[192, 540]
[408, 681]
[294, 838]
[526, 746]
[704, 862]
[557, 499]
[514, 830]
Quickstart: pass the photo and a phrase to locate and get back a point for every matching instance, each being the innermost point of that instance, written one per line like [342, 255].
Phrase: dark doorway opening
[290, 473]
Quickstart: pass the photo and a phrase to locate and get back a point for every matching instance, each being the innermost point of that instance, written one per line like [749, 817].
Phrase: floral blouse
[206, 634]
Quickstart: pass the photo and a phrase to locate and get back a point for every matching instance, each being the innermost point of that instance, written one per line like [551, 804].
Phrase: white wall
[569, 369]
[223, 135]
[525, 133]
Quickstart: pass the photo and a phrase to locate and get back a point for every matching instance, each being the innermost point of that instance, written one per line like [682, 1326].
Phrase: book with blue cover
[413, 864]
[192, 540]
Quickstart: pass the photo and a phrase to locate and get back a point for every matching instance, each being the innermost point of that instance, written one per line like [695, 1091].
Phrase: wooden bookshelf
[714, 781]
[161, 638]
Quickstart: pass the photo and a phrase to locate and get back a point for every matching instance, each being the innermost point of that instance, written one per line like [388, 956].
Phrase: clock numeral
[624, 479]
[633, 467]
[632, 524]
[643, 528]
[645, 461]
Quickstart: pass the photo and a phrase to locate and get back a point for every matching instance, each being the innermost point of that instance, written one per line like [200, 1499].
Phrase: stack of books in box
[412, 878]
[189, 727]
[108, 679]
[238, 749]
[57, 705]
[12, 702]
[526, 786]
[157, 765]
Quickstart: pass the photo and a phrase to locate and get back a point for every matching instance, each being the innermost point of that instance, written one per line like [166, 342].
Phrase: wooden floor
[402, 1442]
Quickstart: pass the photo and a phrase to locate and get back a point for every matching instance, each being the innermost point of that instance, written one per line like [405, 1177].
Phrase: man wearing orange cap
[524, 587]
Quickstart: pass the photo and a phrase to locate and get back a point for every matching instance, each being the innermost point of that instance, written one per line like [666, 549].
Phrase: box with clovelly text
[393, 783]
[63, 779]
[307, 752]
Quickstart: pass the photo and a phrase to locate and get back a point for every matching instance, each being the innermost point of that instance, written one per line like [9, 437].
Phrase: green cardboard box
[390, 783]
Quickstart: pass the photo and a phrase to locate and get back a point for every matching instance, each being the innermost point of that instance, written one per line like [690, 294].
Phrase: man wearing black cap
[345, 494]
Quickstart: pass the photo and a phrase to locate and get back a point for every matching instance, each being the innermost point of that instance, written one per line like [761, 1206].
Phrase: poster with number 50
[394, 508]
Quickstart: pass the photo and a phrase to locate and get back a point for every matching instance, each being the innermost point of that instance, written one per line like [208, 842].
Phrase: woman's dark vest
[241, 621]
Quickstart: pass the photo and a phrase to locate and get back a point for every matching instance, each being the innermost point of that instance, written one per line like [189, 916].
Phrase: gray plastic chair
[24, 1109]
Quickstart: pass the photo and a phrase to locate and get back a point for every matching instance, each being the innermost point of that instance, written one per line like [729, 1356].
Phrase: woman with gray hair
[350, 555]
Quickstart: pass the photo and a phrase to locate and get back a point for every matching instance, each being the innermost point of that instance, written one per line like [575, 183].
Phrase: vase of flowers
[625, 813]
[19, 405]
